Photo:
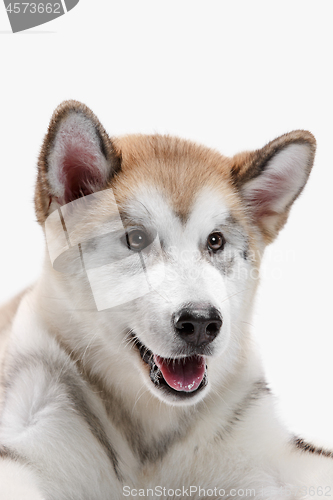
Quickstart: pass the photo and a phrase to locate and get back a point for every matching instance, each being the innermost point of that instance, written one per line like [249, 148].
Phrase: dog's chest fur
[138, 444]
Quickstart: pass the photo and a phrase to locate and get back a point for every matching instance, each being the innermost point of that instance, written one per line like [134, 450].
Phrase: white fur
[18, 482]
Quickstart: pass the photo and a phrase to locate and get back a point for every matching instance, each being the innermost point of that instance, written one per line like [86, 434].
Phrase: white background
[230, 74]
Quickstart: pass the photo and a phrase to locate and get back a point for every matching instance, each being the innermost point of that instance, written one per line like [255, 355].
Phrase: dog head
[162, 240]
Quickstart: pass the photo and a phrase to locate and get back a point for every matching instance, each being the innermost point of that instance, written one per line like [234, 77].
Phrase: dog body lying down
[129, 367]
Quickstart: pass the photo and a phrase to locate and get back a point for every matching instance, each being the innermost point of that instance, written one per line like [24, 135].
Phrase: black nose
[198, 325]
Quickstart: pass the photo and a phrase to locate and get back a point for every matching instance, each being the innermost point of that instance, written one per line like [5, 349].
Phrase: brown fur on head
[258, 179]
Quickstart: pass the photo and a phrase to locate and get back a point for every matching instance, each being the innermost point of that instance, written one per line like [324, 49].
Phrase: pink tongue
[183, 374]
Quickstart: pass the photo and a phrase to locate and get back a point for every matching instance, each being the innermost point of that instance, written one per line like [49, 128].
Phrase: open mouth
[179, 377]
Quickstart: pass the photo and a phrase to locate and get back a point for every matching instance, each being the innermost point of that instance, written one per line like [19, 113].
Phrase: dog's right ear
[270, 179]
[77, 158]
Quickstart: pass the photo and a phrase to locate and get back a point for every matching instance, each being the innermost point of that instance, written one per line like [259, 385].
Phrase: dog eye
[216, 241]
[137, 240]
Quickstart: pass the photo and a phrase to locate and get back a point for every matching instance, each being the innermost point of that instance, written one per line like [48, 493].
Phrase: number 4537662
[33, 8]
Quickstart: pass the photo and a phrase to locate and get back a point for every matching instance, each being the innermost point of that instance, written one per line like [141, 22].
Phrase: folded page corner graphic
[70, 4]
[25, 15]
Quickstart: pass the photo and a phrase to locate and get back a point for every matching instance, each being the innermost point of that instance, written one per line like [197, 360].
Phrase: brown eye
[136, 240]
[216, 241]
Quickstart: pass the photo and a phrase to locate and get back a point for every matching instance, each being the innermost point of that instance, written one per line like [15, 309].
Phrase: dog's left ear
[77, 158]
[270, 179]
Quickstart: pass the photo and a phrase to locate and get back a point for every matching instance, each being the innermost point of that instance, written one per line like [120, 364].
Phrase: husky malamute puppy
[129, 369]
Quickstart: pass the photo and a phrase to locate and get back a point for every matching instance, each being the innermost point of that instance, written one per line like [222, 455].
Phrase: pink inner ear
[79, 173]
[280, 183]
[268, 196]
